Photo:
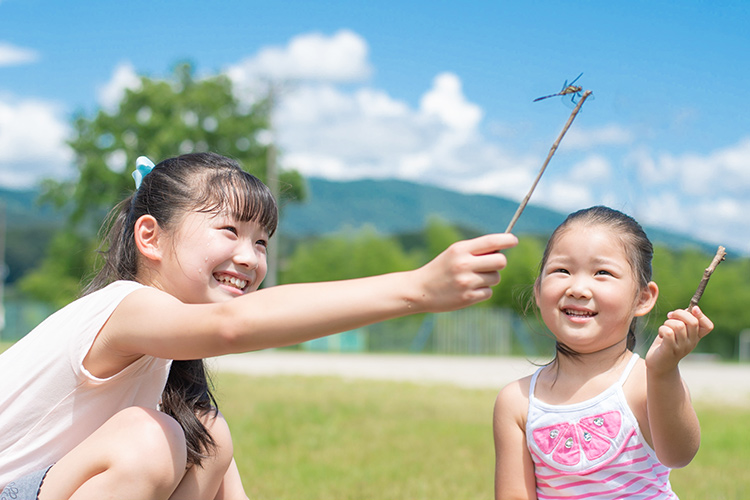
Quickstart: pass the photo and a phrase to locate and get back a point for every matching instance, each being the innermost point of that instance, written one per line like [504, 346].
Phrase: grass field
[313, 438]
[327, 438]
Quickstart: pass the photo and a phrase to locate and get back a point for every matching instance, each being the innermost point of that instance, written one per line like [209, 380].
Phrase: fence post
[744, 347]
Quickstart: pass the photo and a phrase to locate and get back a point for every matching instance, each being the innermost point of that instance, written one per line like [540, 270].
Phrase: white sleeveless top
[593, 449]
[49, 402]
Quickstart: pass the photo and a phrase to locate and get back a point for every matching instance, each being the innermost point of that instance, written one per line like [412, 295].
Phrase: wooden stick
[720, 255]
[549, 157]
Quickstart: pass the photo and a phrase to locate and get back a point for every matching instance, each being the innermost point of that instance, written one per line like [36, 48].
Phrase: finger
[489, 279]
[666, 333]
[705, 325]
[490, 243]
[671, 328]
[684, 315]
[489, 263]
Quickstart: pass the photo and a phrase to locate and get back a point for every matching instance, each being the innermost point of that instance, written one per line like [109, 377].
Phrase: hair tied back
[143, 166]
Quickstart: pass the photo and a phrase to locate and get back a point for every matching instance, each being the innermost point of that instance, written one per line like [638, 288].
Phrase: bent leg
[206, 480]
[139, 453]
[231, 486]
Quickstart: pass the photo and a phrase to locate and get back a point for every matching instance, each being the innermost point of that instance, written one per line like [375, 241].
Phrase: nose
[249, 256]
[579, 288]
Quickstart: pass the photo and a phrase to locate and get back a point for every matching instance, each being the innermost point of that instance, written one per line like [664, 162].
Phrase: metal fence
[471, 331]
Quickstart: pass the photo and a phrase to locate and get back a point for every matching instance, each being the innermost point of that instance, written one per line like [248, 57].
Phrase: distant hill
[392, 207]
[22, 210]
[396, 207]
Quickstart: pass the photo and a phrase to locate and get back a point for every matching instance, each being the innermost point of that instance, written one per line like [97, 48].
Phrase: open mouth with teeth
[576, 313]
[231, 281]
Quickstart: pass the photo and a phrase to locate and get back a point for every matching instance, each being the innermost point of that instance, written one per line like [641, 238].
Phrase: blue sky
[430, 91]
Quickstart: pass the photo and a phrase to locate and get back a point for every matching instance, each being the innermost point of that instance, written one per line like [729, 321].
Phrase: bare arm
[673, 424]
[514, 469]
[152, 322]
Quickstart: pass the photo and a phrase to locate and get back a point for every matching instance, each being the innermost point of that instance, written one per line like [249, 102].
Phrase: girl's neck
[573, 379]
[594, 363]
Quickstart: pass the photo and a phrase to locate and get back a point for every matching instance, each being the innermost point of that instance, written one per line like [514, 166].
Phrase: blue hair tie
[143, 167]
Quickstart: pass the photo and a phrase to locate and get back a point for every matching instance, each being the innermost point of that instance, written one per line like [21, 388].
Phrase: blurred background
[389, 130]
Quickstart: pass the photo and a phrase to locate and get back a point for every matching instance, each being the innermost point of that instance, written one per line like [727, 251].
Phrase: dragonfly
[567, 89]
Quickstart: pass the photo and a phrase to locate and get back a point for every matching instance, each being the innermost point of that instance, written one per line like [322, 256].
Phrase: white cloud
[607, 135]
[706, 196]
[340, 58]
[324, 131]
[32, 142]
[447, 101]
[593, 169]
[10, 55]
[111, 93]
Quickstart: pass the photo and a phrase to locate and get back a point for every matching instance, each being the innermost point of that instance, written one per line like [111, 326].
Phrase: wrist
[663, 374]
[410, 292]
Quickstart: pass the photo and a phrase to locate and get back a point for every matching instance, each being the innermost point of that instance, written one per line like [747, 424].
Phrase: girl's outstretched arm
[514, 469]
[153, 322]
[674, 426]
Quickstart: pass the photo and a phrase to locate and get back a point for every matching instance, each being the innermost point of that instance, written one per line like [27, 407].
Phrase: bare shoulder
[513, 400]
[635, 389]
[635, 385]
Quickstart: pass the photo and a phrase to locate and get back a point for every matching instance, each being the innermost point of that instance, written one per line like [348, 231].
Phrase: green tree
[439, 235]
[517, 279]
[354, 255]
[725, 300]
[162, 118]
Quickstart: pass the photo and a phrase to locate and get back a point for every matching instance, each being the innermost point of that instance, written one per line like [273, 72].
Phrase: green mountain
[397, 207]
[392, 207]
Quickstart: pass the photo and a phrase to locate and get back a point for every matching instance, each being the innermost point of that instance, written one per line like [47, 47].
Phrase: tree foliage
[346, 256]
[677, 273]
[160, 119]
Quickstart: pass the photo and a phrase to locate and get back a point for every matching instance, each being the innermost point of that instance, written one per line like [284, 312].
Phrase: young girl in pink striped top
[598, 421]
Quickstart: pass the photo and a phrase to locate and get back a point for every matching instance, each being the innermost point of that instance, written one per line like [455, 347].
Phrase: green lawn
[326, 438]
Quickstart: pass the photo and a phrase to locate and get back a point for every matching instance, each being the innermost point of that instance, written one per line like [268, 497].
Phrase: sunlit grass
[327, 438]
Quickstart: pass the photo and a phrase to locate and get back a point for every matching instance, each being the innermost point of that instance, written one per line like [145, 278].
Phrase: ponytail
[187, 397]
[205, 182]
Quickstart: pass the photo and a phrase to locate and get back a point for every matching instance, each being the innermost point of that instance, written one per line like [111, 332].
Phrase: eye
[231, 229]
[603, 272]
[560, 270]
[262, 243]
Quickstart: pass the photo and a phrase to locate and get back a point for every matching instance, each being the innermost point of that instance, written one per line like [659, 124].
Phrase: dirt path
[710, 382]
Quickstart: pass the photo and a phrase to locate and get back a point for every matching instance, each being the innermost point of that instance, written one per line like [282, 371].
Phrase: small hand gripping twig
[549, 157]
[720, 255]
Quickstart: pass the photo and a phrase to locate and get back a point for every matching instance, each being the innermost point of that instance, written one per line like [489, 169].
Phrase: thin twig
[549, 157]
[720, 255]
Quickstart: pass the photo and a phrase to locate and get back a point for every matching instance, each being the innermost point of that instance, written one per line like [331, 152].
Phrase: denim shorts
[26, 487]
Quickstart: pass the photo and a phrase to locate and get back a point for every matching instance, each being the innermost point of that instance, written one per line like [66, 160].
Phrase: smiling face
[212, 258]
[587, 291]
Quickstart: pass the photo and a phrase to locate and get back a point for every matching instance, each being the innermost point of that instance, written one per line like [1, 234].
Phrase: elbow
[677, 459]
[230, 336]
[678, 462]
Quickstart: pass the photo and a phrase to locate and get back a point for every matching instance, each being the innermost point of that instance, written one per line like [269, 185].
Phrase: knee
[153, 444]
[217, 426]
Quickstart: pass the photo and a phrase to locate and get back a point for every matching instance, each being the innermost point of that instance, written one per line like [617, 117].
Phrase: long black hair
[202, 182]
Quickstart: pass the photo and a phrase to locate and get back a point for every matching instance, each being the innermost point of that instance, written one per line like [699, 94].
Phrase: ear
[647, 299]
[147, 235]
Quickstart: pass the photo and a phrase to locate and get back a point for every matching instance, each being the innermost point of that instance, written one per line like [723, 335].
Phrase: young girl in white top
[85, 391]
[599, 422]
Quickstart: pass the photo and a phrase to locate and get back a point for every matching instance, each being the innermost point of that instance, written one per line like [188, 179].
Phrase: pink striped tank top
[593, 449]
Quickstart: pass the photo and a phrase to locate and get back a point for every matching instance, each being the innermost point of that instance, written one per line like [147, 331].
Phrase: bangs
[240, 194]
